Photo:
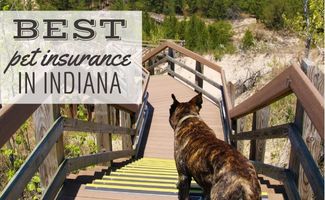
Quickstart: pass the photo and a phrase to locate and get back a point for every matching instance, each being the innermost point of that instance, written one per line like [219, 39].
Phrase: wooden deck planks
[160, 143]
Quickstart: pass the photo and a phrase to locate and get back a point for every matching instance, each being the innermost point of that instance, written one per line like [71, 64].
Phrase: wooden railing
[17, 184]
[151, 63]
[291, 80]
[13, 116]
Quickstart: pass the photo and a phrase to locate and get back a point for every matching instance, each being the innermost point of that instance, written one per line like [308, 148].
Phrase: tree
[169, 7]
[170, 26]
[315, 30]
[220, 34]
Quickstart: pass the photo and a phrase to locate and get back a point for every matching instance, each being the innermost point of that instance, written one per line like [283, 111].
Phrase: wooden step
[149, 177]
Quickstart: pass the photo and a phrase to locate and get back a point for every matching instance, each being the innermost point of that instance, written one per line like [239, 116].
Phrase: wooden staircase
[147, 176]
[152, 178]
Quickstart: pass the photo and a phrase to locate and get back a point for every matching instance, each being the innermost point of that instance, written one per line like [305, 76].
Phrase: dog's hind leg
[184, 184]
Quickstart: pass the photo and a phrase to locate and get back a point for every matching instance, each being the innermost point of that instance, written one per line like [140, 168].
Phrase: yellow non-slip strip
[146, 172]
[151, 184]
[264, 194]
[149, 169]
[172, 185]
[169, 190]
[156, 166]
[154, 161]
[114, 177]
[145, 175]
[153, 164]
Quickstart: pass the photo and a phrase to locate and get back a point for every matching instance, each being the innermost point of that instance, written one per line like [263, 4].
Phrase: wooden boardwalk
[160, 143]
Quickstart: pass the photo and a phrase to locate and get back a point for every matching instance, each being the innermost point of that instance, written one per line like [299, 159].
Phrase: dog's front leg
[184, 184]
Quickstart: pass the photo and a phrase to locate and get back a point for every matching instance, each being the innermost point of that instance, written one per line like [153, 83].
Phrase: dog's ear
[173, 106]
[197, 101]
[175, 100]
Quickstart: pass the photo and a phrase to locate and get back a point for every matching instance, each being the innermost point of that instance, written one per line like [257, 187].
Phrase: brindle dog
[221, 171]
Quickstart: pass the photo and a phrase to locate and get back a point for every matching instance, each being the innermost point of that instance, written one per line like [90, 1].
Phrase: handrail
[307, 162]
[291, 80]
[12, 117]
[17, 184]
[212, 82]
[184, 51]
[85, 126]
[226, 100]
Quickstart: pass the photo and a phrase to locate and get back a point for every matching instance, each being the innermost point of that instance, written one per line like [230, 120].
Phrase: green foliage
[297, 22]
[11, 5]
[248, 40]
[119, 5]
[170, 27]
[78, 144]
[220, 34]
[196, 34]
[82, 112]
[271, 12]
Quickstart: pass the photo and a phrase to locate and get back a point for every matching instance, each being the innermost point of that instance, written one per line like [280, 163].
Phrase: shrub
[248, 40]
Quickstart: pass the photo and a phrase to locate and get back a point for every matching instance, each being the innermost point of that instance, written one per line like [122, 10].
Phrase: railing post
[152, 70]
[260, 120]
[198, 80]
[43, 119]
[171, 65]
[309, 133]
[59, 143]
[125, 121]
[104, 140]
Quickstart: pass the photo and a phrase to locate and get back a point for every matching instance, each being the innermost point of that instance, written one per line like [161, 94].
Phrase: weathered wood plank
[198, 74]
[125, 121]
[84, 126]
[280, 131]
[307, 162]
[12, 117]
[59, 144]
[260, 120]
[43, 119]
[17, 184]
[239, 128]
[104, 141]
[93, 159]
[309, 133]
[310, 98]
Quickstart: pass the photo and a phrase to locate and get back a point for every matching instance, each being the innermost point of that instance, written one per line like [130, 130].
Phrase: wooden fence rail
[13, 116]
[291, 80]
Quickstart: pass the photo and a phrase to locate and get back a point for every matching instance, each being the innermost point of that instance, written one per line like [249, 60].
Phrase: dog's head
[181, 109]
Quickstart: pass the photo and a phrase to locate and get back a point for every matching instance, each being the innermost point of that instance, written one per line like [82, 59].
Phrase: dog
[221, 171]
